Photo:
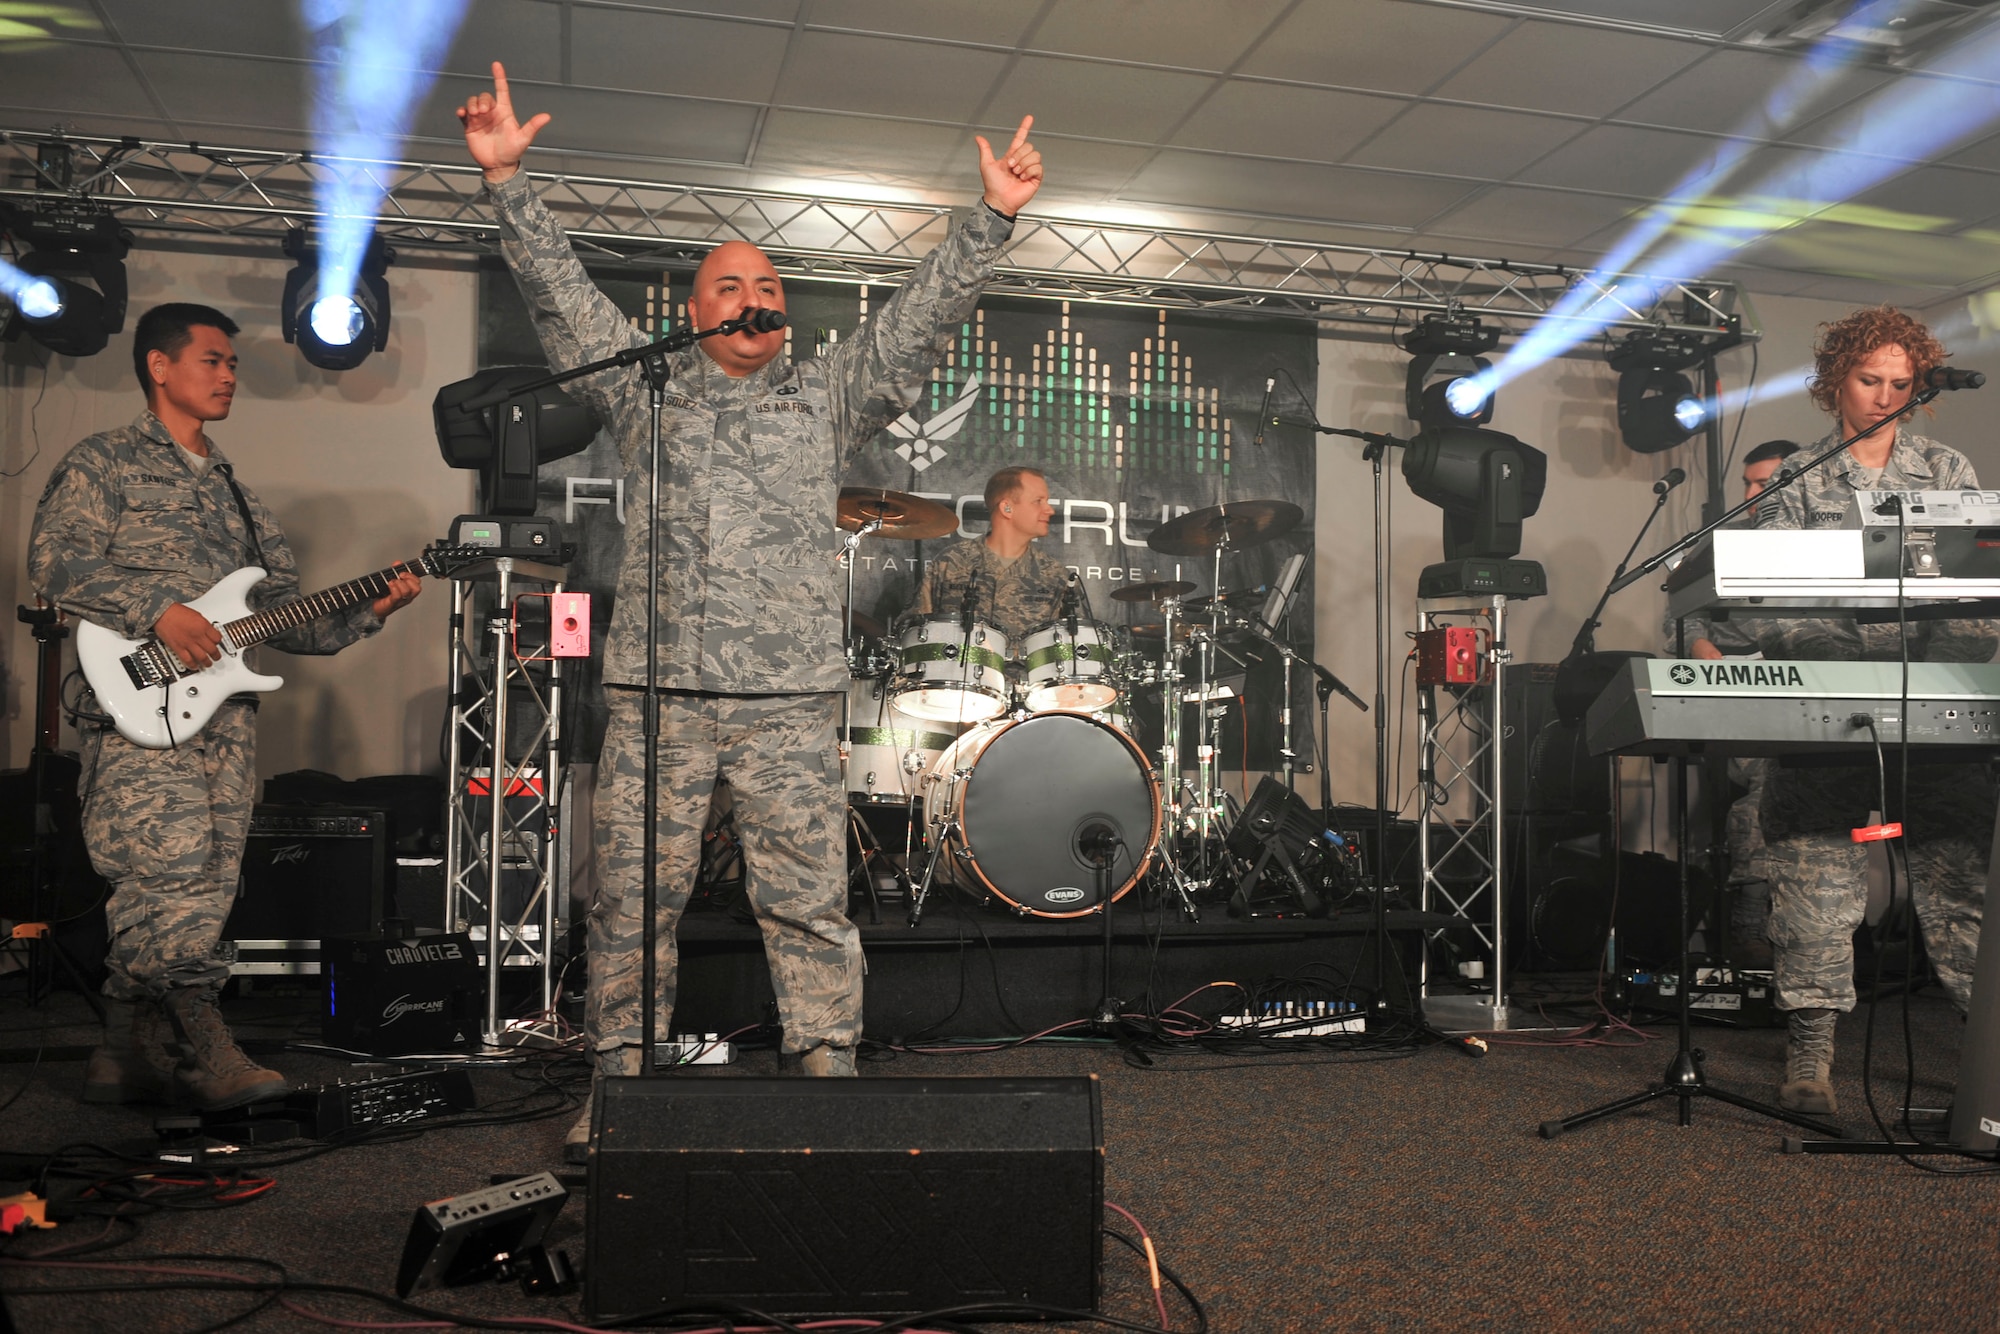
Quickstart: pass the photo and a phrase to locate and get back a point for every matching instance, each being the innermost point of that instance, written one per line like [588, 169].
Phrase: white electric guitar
[157, 703]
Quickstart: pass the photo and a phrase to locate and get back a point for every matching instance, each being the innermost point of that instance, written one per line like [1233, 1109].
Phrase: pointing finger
[1021, 134]
[500, 94]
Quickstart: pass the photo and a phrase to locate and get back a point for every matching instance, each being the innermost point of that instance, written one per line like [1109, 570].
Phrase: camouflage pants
[779, 756]
[1819, 894]
[166, 828]
[1746, 851]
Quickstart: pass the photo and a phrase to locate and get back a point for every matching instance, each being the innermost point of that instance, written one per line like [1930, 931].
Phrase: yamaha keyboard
[1745, 706]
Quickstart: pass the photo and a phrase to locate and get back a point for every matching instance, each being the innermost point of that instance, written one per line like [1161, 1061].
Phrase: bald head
[735, 277]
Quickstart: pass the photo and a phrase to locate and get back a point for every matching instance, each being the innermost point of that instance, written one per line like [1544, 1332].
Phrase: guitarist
[133, 525]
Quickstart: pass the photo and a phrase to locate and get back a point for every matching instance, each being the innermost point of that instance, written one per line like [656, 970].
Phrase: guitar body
[160, 716]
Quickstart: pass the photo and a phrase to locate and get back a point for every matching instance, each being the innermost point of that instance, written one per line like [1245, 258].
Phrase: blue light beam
[1592, 305]
[36, 297]
[376, 60]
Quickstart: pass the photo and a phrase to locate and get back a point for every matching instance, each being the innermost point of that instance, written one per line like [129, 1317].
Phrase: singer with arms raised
[1866, 367]
[1014, 585]
[749, 648]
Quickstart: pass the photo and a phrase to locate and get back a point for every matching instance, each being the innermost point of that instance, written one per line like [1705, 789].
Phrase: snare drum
[1068, 671]
[887, 751]
[949, 674]
[1016, 799]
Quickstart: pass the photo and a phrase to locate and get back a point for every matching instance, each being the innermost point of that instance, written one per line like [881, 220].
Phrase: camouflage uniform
[1818, 874]
[749, 612]
[129, 525]
[1017, 597]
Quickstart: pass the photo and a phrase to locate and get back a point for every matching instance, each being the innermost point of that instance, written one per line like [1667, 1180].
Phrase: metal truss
[258, 194]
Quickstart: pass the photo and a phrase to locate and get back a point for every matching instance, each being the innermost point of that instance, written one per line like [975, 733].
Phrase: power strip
[709, 1049]
[1296, 1019]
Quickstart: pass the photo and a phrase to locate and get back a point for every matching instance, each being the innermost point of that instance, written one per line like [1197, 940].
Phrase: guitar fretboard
[260, 626]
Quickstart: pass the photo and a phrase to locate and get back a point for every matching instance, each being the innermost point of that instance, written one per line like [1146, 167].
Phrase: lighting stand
[1684, 1079]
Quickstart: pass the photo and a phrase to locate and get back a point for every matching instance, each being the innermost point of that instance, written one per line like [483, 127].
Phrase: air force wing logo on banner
[919, 447]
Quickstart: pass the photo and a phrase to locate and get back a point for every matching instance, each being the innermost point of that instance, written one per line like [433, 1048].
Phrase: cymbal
[903, 515]
[1239, 524]
[1156, 631]
[1160, 590]
[1197, 606]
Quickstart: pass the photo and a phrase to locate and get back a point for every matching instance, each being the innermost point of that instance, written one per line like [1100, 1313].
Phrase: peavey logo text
[294, 852]
[403, 1005]
[1780, 675]
[401, 954]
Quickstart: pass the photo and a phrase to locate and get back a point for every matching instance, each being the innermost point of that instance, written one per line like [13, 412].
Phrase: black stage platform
[969, 971]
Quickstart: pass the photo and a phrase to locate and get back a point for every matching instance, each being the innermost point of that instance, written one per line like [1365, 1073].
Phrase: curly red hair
[1846, 343]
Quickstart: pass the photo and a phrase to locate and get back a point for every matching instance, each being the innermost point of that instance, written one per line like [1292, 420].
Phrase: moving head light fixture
[69, 294]
[1447, 378]
[1658, 407]
[507, 444]
[336, 333]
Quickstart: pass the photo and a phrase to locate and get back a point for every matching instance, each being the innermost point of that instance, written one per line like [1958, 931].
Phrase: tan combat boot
[1808, 1085]
[621, 1061]
[827, 1061]
[215, 1073]
[136, 1061]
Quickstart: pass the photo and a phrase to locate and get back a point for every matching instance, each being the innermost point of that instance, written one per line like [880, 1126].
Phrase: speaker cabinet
[844, 1197]
[309, 873]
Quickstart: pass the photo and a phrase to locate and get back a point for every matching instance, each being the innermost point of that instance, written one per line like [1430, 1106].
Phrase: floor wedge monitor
[844, 1197]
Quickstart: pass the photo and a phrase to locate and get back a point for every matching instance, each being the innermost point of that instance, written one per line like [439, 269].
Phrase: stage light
[1487, 483]
[1449, 382]
[68, 291]
[508, 444]
[1658, 407]
[336, 332]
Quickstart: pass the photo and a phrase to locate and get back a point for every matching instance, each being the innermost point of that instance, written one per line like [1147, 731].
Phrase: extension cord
[1296, 1019]
[706, 1050]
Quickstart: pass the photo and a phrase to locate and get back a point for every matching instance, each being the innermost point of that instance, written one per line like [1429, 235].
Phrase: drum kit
[1016, 764]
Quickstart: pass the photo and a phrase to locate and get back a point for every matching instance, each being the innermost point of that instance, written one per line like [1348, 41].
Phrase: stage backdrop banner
[1135, 414]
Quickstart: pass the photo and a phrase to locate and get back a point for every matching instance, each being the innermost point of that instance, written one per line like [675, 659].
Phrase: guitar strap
[243, 508]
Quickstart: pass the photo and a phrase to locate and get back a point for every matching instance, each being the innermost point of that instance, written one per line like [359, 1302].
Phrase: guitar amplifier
[309, 873]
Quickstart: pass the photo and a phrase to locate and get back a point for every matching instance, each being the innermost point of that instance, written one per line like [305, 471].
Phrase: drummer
[1016, 587]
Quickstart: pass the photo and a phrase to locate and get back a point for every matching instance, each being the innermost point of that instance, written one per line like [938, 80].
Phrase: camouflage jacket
[1729, 635]
[125, 529]
[749, 579]
[1016, 596]
[1821, 499]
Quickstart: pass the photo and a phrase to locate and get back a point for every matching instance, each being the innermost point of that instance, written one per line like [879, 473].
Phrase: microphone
[1674, 477]
[1069, 607]
[1264, 410]
[756, 320]
[965, 610]
[1951, 377]
[1098, 843]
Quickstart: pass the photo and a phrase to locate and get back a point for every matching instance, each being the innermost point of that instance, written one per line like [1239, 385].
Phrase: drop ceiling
[1525, 131]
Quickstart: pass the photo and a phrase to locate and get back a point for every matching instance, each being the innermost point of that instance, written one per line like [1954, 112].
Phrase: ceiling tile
[229, 90]
[851, 148]
[785, 11]
[1955, 198]
[992, 22]
[1562, 67]
[1980, 153]
[1456, 141]
[1911, 118]
[1380, 44]
[63, 78]
[1326, 195]
[1619, 160]
[647, 129]
[1509, 214]
[1096, 101]
[667, 53]
[1870, 254]
[1732, 92]
[920, 80]
[523, 35]
[1714, 17]
[1194, 34]
[1283, 120]
[250, 27]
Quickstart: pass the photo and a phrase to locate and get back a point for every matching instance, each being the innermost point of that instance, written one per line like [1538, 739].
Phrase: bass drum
[1015, 800]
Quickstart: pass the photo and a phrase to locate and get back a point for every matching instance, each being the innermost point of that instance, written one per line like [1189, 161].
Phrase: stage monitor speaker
[309, 873]
[845, 1197]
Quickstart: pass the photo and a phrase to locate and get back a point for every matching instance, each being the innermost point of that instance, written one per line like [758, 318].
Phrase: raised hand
[496, 140]
[1010, 180]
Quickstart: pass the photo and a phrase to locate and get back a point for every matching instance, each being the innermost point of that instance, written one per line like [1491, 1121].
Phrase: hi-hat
[1160, 590]
[1234, 526]
[1199, 605]
[903, 515]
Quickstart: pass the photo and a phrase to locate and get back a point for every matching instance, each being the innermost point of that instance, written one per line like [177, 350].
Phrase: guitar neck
[260, 626]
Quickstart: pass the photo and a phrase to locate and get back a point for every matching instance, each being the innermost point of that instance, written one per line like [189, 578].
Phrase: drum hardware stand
[1099, 844]
[871, 852]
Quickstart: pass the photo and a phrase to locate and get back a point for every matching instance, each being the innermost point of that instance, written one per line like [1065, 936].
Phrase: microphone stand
[1684, 1079]
[1586, 635]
